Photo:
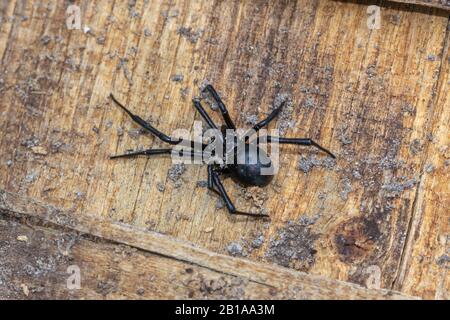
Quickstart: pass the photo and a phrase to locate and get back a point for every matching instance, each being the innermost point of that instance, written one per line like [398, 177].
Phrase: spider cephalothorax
[251, 165]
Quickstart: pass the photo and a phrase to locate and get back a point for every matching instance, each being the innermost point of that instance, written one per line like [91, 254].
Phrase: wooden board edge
[279, 277]
[424, 4]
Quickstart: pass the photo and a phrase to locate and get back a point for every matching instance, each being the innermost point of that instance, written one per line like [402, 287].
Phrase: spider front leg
[214, 181]
[204, 114]
[152, 152]
[266, 121]
[144, 124]
[222, 107]
[271, 116]
[301, 142]
[147, 126]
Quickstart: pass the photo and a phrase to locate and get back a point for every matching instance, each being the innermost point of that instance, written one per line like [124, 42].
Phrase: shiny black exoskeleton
[251, 165]
[250, 170]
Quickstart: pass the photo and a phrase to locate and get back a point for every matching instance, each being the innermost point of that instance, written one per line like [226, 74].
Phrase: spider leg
[271, 116]
[211, 179]
[144, 124]
[229, 204]
[148, 152]
[204, 114]
[147, 126]
[222, 107]
[151, 152]
[266, 121]
[301, 142]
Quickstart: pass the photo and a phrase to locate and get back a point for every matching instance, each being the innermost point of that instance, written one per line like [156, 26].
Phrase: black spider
[248, 173]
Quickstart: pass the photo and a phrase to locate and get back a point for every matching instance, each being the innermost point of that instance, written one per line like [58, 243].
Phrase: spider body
[251, 165]
[254, 169]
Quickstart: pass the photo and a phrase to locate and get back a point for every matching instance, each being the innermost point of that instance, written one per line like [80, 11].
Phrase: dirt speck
[256, 196]
[408, 109]
[416, 146]
[346, 188]
[395, 188]
[39, 150]
[31, 177]
[140, 291]
[160, 186]
[175, 172]
[45, 40]
[123, 65]
[307, 163]
[443, 260]
[344, 136]
[202, 184]
[80, 194]
[30, 142]
[251, 119]
[294, 245]
[184, 92]
[22, 238]
[147, 32]
[56, 146]
[25, 289]
[429, 168]
[235, 249]
[208, 230]
[371, 71]
[132, 9]
[177, 78]
[105, 287]
[101, 40]
[188, 33]
[167, 14]
[258, 241]
[309, 103]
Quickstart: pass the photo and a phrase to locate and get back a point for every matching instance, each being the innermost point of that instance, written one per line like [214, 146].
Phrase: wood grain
[120, 261]
[376, 98]
[442, 4]
[425, 266]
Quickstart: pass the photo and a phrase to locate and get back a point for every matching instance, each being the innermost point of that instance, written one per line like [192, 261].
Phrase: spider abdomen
[253, 167]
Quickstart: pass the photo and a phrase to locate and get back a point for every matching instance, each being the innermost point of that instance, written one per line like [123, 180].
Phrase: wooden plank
[39, 260]
[441, 4]
[369, 95]
[426, 260]
[175, 269]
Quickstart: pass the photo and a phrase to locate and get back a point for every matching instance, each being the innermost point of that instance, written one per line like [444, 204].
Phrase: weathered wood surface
[426, 251]
[39, 243]
[442, 4]
[377, 98]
